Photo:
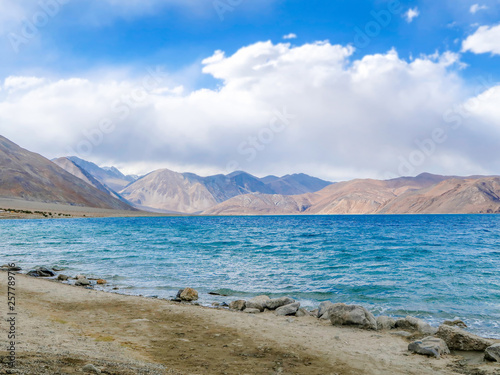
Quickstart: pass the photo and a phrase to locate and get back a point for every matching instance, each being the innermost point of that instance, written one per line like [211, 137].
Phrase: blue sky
[109, 41]
[85, 36]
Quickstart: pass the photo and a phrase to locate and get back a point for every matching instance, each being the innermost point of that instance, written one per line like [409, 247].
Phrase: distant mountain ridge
[74, 181]
[109, 176]
[31, 177]
[170, 191]
[426, 193]
[78, 171]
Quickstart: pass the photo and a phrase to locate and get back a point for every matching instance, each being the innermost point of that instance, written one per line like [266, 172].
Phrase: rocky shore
[335, 338]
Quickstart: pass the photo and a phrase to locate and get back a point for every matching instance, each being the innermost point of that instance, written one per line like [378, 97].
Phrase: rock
[78, 277]
[314, 312]
[458, 339]
[91, 369]
[188, 294]
[402, 323]
[215, 304]
[238, 305]
[455, 323]
[41, 272]
[342, 314]
[289, 309]
[414, 324]
[323, 310]
[82, 282]
[430, 346]
[258, 302]
[492, 353]
[385, 323]
[303, 312]
[101, 281]
[273, 304]
[62, 277]
[252, 311]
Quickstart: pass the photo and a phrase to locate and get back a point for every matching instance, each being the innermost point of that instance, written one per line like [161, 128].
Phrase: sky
[338, 89]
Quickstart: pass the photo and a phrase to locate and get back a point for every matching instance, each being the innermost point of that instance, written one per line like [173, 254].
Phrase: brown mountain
[168, 191]
[29, 176]
[422, 194]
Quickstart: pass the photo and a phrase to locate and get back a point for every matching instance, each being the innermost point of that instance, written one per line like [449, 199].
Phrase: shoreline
[18, 209]
[219, 299]
[118, 330]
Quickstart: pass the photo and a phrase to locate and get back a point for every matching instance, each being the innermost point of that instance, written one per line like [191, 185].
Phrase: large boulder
[238, 305]
[342, 314]
[82, 282]
[414, 324]
[430, 346]
[303, 312]
[385, 323]
[273, 304]
[258, 302]
[458, 339]
[323, 310]
[41, 272]
[492, 353]
[289, 309]
[188, 294]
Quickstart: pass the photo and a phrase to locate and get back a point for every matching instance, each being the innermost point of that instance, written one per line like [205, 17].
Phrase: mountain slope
[82, 174]
[169, 191]
[109, 176]
[459, 196]
[31, 177]
[422, 194]
[295, 184]
[187, 192]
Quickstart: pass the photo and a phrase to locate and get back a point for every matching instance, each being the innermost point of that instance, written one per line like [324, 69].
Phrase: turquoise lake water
[435, 267]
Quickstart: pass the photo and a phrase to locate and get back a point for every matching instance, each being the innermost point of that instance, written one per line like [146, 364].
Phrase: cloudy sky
[337, 89]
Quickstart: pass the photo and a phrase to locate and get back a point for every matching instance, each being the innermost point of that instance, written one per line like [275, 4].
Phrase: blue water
[434, 267]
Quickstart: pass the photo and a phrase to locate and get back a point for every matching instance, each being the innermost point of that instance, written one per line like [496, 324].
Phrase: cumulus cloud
[290, 36]
[278, 109]
[486, 39]
[411, 14]
[476, 8]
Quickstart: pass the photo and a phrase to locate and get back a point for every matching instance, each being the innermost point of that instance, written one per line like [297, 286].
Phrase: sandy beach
[62, 328]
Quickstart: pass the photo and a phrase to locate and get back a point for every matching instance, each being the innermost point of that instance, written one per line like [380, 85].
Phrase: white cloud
[486, 39]
[476, 8]
[290, 36]
[352, 118]
[411, 14]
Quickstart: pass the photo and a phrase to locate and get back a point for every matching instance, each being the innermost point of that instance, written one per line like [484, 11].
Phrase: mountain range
[424, 194]
[167, 191]
[31, 177]
[74, 181]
